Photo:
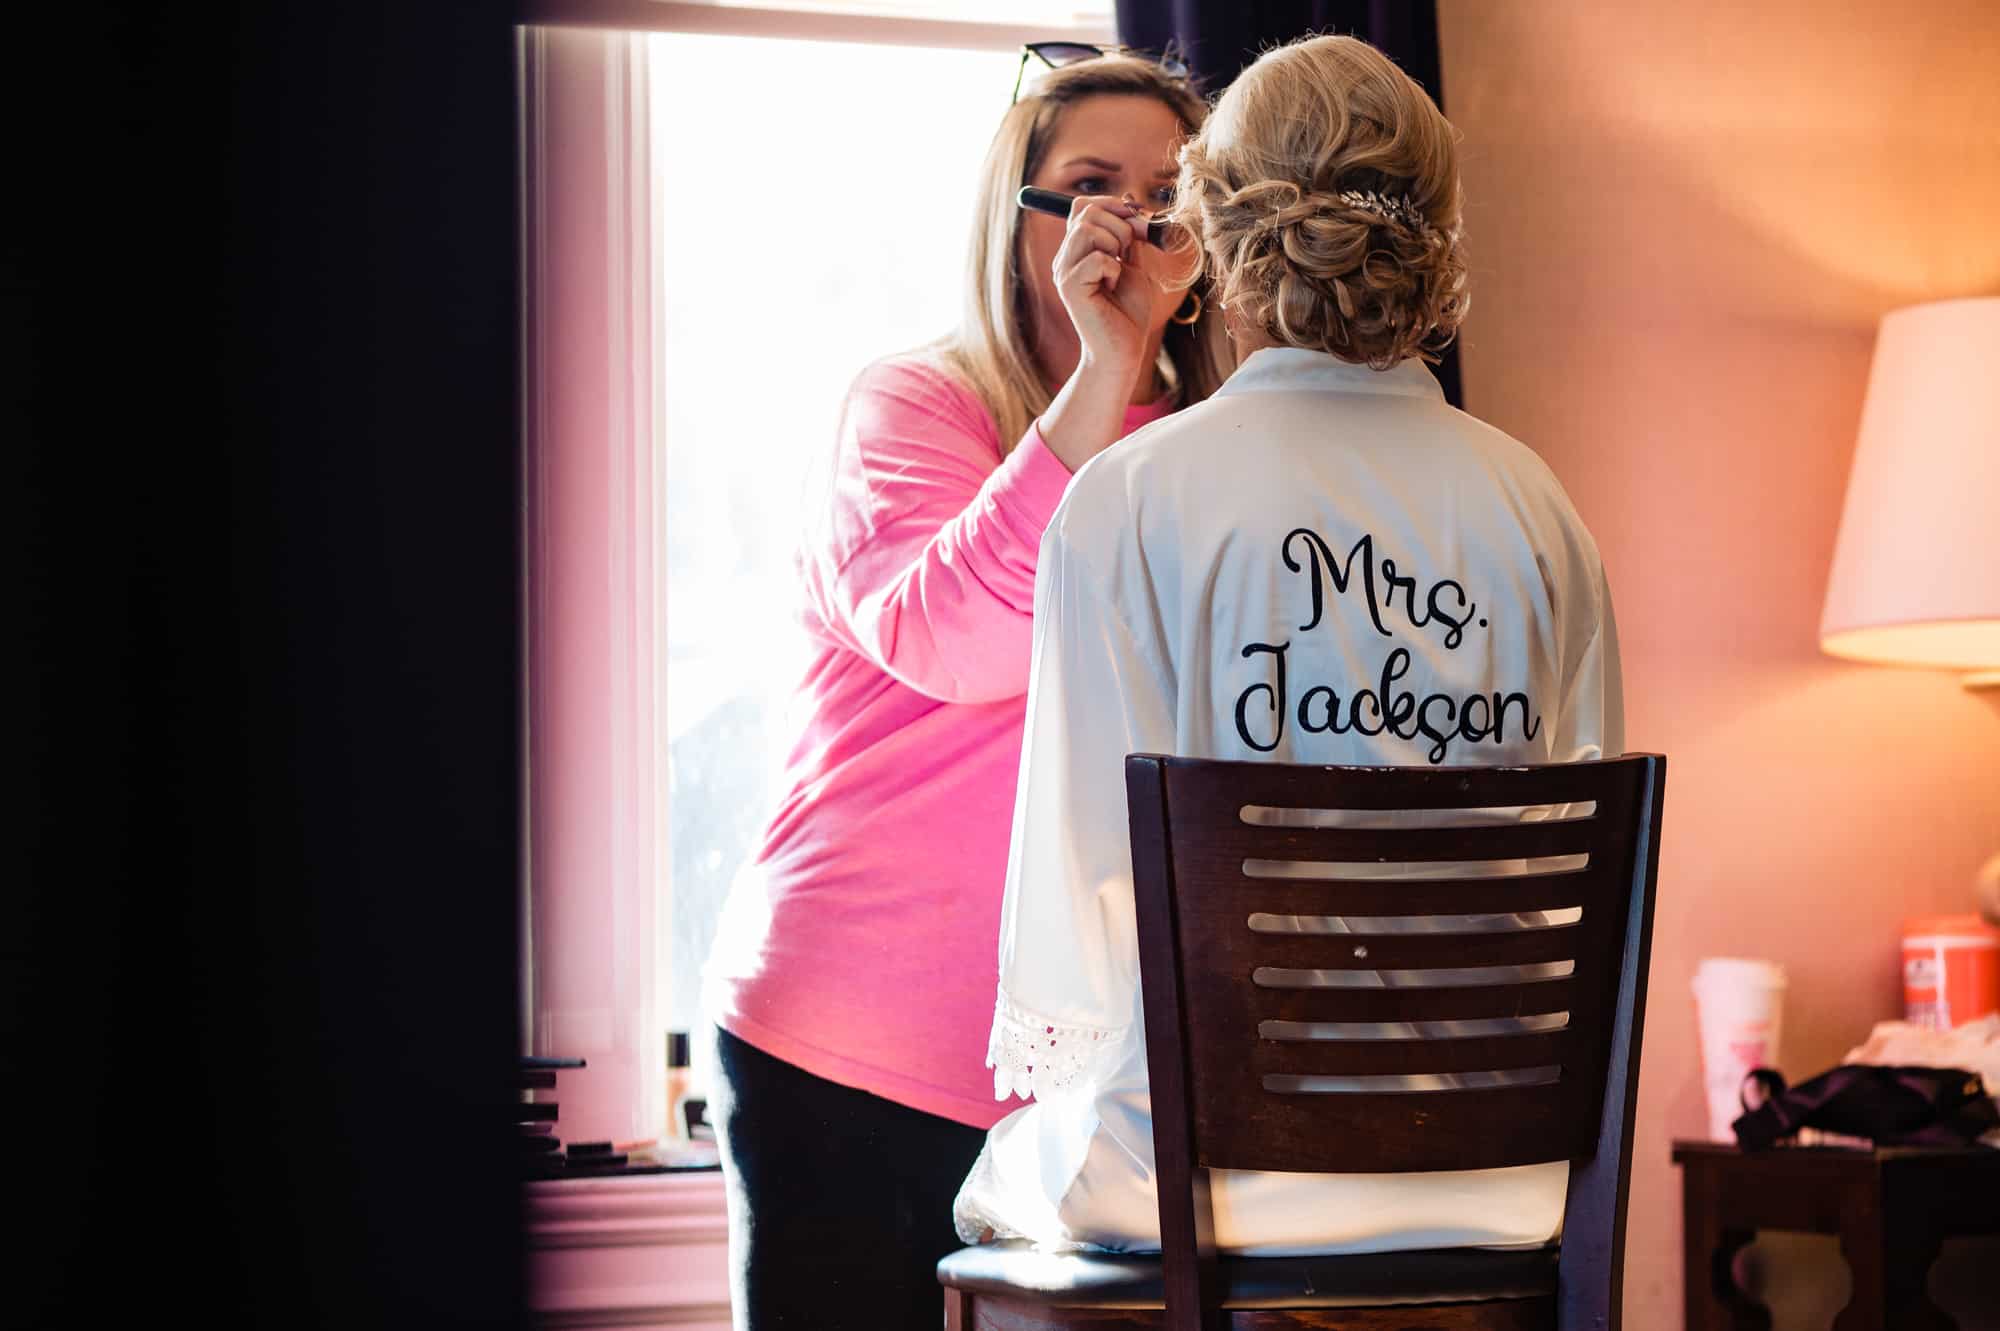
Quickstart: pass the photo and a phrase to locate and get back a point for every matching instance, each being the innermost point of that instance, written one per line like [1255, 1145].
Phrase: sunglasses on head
[1057, 54]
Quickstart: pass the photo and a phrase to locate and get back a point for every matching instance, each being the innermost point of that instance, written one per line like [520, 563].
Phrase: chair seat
[1015, 1270]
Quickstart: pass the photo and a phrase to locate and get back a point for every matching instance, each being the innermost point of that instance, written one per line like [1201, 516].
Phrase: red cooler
[1951, 970]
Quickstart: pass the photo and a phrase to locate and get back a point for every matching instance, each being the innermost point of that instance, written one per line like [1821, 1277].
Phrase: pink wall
[1685, 220]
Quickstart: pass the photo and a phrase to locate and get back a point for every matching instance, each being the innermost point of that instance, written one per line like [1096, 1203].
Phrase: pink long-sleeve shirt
[860, 943]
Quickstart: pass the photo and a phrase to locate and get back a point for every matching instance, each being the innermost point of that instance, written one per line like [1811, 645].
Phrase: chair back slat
[1335, 1060]
[1243, 946]
[1300, 786]
[1370, 897]
[1465, 1003]
[1301, 1133]
[1373, 845]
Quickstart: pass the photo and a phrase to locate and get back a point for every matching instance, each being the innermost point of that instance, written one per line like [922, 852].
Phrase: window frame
[802, 23]
[625, 1092]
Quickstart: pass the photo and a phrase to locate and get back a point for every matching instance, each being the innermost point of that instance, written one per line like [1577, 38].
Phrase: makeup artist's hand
[1099, 277]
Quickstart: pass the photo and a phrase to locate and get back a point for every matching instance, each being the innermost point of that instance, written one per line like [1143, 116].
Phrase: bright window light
[817, 201]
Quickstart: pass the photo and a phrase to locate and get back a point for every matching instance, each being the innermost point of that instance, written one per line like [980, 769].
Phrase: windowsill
[681, 1207]
[637, 1250]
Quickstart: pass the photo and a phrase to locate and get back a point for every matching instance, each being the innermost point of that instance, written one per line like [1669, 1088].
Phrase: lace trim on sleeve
[1031, 1056]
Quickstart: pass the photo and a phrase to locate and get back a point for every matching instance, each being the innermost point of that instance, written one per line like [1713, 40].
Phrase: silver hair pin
[1398, 207]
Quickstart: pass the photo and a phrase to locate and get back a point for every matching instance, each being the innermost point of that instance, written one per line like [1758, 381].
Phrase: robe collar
[1294, 369]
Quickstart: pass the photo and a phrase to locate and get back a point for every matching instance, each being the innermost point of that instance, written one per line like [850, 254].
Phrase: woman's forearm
[1088, 413]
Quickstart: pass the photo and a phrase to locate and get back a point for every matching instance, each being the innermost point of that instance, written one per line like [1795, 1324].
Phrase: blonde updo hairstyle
[1324, 189]
[992, 350]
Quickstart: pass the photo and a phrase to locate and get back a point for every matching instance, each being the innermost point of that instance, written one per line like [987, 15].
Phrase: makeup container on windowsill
[685, 1142]
[680, 1055]
[695, 1116]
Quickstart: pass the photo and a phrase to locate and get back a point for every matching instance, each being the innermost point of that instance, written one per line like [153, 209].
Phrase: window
[818, 224]
[720, 228]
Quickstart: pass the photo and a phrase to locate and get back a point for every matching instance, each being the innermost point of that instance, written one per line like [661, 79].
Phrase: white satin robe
[1315, 526]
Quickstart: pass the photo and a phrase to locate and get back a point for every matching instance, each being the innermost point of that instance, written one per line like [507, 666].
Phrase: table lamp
[1916, 568]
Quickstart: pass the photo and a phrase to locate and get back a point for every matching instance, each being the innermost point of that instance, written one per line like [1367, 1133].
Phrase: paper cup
[1740, 1004]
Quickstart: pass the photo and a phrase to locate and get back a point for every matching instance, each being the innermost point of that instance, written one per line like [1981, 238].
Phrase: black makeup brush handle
[1056, 204]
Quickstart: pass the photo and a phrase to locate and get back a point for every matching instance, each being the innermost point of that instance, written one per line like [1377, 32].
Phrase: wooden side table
[1891, 1209]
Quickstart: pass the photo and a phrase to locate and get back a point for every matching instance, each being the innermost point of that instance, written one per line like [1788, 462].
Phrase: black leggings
[839, 1201]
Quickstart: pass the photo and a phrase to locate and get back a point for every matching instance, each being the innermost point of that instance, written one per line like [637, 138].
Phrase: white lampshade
[1916, 570]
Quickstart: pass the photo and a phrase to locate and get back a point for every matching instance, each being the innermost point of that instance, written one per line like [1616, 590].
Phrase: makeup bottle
[677, 1084]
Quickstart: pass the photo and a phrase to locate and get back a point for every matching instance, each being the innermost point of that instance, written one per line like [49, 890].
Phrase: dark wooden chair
[1227, 1045]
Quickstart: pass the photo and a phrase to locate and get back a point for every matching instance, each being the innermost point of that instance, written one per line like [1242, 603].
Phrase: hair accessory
[1397, 207]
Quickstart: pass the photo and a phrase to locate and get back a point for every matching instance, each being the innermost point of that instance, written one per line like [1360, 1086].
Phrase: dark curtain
[257, 274]
[1220, 37]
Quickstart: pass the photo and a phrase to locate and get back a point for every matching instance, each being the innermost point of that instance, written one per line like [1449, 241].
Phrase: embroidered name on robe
[1395, 603]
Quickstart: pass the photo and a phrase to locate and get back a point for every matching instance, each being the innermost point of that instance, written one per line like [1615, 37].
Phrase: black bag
[1946, 1107]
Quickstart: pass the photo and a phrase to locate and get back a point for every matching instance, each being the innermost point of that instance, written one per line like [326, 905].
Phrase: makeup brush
[1056, 204]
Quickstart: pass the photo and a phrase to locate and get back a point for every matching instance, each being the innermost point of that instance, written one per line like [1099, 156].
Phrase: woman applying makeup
[852, 979]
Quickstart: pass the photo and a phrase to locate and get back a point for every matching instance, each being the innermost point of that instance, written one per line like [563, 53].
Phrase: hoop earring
[1184, 320]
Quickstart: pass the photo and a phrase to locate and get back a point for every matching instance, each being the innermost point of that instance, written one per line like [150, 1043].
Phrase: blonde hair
[992, 349]
[1325, 191]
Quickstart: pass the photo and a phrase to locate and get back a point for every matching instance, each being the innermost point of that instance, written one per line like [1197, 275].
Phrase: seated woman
[1322, 563]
